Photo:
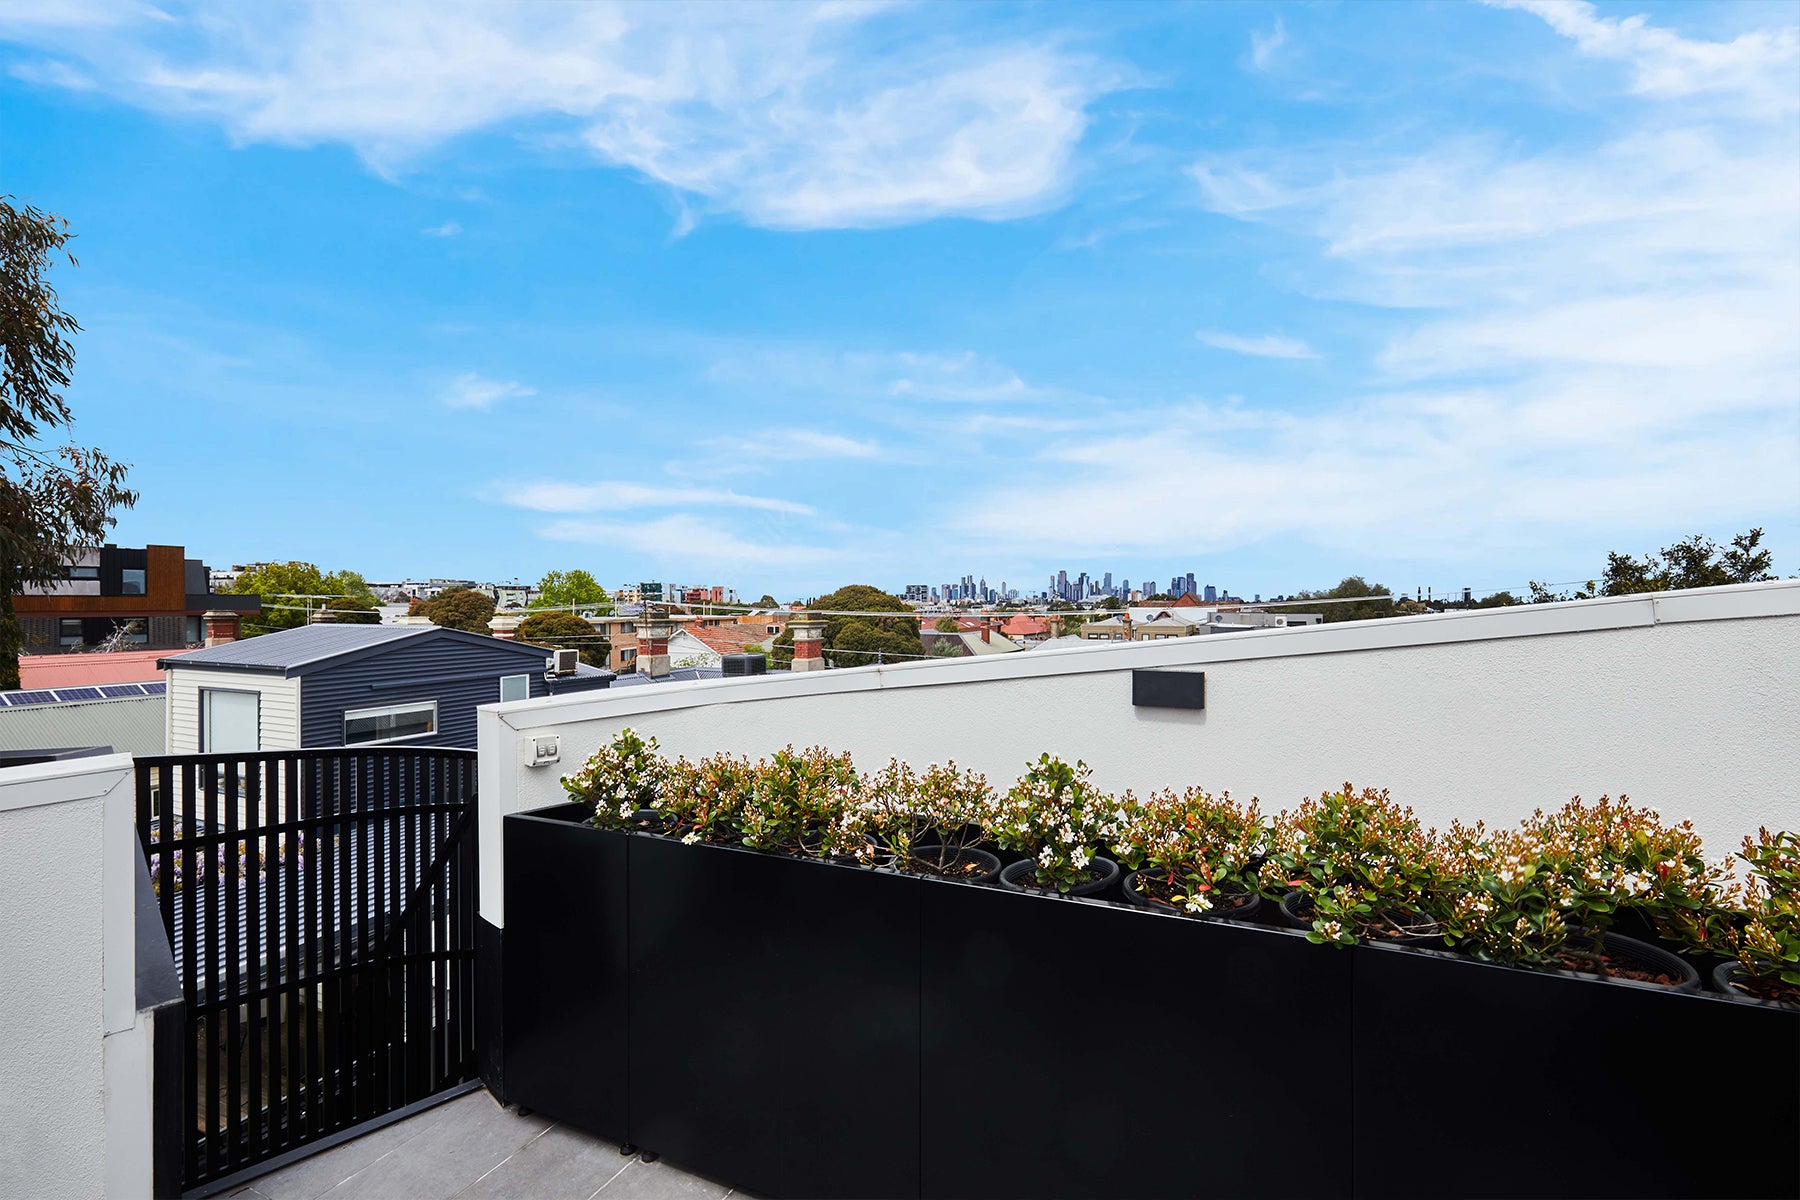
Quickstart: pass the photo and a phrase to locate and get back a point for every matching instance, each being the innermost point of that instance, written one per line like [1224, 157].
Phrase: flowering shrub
[1509, 894]
[705, 801]
[1196, 849]
[1055, 814]
[801, 803]
[203, 868]
[922, 822]
[1766, 939]
[1364, 861]
[622, 777]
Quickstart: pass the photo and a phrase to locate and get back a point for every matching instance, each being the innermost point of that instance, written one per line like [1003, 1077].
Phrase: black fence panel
[321, 907]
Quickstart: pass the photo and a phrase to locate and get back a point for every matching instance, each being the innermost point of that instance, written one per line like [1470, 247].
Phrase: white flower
[690, 839]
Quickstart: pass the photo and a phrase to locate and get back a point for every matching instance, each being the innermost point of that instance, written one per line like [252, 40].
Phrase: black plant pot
[1021, 877]
[1297, 910]
[1724, 976]
[987, 866]
[1631, 954]
[1243, 912]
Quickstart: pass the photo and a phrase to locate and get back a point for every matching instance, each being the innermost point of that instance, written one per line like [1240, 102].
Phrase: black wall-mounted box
[1168, 689]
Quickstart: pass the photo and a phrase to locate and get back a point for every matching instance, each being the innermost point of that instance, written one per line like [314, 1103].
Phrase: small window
[131, 581]
[228, 721]
[390, 724]
[69, 631]
[84, 572]
[195, 633]
[515, 687]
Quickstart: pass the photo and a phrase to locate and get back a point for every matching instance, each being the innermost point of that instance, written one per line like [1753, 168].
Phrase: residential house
[351, 685]
[156, 595]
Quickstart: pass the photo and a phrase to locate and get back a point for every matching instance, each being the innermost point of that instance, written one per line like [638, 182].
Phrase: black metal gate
[321, 905]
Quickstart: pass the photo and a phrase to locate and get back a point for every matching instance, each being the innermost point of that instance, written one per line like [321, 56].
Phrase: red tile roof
[727, 639]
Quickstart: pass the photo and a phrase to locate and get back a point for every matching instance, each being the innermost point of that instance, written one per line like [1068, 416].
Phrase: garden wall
[1684, 700]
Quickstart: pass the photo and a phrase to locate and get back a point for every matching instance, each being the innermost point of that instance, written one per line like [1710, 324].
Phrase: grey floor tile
[467, 1140]
[659, 1181]
[562, 1164]
[314, 1176]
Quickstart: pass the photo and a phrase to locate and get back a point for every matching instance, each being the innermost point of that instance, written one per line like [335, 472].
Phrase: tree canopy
[1353, 587]
[289, 590]
[349, 610]
[857, 641]
[568, 631]
[54, 502]
[945, 625]
[457, 608]
[1697, 561]
[768, 601]
[571, 589]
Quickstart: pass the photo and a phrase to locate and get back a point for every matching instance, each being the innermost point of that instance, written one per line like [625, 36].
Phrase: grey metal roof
[295, 647]
[294, 651]
[675, 675]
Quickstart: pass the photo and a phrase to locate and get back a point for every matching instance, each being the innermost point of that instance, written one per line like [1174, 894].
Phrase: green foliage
[567, 630]
[1697, 561]
[1541, 593]
[1766, 938]
[458, 608]
[1364, 861]
[572, 589]
[1198, 848]
[349, 610]
[53, 503]
[948, 647]
[856, 641]
[1158, 598]
[945, 625]
[919, 822]
[1055, 814]
[284, 587]
[622, 777]
[768, 601]
[1354, 587]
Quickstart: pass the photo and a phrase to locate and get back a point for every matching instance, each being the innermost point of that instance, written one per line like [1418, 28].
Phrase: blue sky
[791, 297]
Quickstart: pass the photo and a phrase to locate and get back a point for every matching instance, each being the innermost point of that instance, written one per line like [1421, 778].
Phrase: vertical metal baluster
[234, 976]
[336, 919]
[251, 978]
[192, 1126]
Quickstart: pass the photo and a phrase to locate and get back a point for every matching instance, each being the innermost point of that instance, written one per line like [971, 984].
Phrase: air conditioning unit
[562, 662]
[743, 664]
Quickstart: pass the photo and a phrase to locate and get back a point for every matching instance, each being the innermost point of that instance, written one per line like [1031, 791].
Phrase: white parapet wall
[1689, 701]
[74, 1053]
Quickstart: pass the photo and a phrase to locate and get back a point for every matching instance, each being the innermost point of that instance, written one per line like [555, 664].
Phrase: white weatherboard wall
[74, 1055]
[279, 708]
[1686, 700]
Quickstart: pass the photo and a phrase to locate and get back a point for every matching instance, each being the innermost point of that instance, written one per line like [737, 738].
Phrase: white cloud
[1759, 65]
[683, 540]
[797, 445]
[1264, 45]
[1269, 345]
[470, 390]
[448, 229]
[794, 116]
[557, 496]
[962, 377]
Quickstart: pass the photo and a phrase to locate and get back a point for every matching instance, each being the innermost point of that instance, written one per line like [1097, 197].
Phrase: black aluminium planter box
[565, 1003]
[799, 1028]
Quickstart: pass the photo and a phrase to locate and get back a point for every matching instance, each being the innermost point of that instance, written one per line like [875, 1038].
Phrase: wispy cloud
[1269, 345]
[562, 497]
[685, 541]
[470, 390]
[1264, 45]
[1760, 65]
[959, 377]
[448, 229]
[797, 117]
[796, 445]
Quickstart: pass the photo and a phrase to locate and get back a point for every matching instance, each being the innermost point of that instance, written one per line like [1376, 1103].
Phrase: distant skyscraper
[1188, 587]
[1211, 594]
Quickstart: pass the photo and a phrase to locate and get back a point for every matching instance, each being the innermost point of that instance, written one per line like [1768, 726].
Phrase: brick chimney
[987, 629]
[221, 626]
[809, 643]
[654, 632]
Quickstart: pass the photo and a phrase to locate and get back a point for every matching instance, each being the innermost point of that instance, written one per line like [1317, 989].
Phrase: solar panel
[78, 693]
[155, 689]
[114, 690]
[17, 698]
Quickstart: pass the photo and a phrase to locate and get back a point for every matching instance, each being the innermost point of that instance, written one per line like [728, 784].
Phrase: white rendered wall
[74, 1058]
[278, 716]
[1687, 700]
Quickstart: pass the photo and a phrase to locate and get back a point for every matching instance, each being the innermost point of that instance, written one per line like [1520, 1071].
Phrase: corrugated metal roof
[133, 725]
[298, 647]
